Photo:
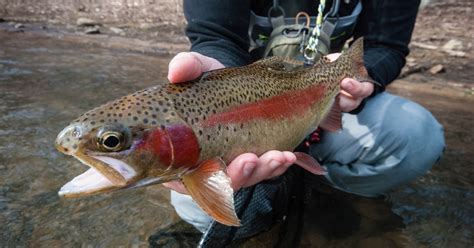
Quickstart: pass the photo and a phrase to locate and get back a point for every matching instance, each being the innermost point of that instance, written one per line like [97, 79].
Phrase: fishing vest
[282, 28]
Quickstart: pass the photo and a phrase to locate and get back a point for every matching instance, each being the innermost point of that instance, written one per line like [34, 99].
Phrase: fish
[191, 131]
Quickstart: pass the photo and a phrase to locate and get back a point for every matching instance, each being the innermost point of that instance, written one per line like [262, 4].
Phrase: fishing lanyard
[310, 52]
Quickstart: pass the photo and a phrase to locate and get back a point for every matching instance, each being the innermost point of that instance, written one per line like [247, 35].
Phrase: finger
[176, 186]
[268, 163]
[187, 66]
[241, 169]
[290, 160]
[356, 88]
[348, 103]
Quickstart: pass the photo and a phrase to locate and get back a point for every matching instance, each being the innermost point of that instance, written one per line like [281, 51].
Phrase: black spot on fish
[145, 121]
[135, 118]
[74, 146]
[92, 122]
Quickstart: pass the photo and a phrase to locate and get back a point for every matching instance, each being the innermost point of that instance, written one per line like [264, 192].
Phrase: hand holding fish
[247, 169]
[353, 92]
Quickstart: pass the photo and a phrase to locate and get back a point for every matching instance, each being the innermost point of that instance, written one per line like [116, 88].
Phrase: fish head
[121, 149]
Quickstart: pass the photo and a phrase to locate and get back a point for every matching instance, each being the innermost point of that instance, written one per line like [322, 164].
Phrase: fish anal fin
[333, 120]
[209, 186]
[309, 163]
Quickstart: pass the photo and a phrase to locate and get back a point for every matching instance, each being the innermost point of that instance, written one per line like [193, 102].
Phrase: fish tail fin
[355, 56]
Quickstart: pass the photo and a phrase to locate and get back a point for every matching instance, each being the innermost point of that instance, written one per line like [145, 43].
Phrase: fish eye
[111, 141]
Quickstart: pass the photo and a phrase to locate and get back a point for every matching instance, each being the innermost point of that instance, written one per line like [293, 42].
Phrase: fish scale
[190, 131]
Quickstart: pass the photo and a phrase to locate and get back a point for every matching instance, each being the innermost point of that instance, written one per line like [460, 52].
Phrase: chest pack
[277, 35]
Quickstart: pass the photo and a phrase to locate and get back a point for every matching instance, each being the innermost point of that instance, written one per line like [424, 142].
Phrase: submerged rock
[92, 30]
[86, 22]
[116, 30]
[19, 25]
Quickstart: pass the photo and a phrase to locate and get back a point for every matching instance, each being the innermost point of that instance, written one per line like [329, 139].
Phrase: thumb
[187, 66]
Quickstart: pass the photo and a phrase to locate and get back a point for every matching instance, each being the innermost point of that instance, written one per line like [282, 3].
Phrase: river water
[45, 82]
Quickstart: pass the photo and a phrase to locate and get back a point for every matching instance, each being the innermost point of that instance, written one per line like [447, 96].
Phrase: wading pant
[390, 143]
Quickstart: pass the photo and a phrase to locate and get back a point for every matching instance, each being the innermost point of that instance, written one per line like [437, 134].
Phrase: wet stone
[92, 30]
[86, 22]
[116, 30]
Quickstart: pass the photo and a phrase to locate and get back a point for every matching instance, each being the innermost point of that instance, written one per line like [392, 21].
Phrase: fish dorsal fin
[323, 61]
[280, 64]
[209, 186]
[333, 119]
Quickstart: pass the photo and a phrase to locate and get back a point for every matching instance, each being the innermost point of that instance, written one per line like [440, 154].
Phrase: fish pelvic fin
[209, 186]
[309, 163]
[355, 56]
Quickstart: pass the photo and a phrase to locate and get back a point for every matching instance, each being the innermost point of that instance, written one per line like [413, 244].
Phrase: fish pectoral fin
[209, 186]
[309, 163]
[333, 119]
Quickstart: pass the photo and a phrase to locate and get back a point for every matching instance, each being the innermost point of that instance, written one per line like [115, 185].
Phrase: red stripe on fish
[157, 141]
[274, 108]
[185, 146]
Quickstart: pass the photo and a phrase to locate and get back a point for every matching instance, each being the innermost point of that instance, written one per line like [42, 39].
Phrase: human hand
[187, 66]
[247, 169]
[352, 92]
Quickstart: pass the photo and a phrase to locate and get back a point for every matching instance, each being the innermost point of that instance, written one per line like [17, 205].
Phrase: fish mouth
[105, 174]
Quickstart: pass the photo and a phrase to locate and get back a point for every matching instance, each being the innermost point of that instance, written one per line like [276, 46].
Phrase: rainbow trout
[190, 131]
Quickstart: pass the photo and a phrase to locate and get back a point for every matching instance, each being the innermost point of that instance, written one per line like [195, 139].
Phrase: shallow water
[45, 82]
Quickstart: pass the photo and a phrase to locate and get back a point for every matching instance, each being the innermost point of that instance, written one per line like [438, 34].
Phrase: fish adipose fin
[209, 186]
[309, 163]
